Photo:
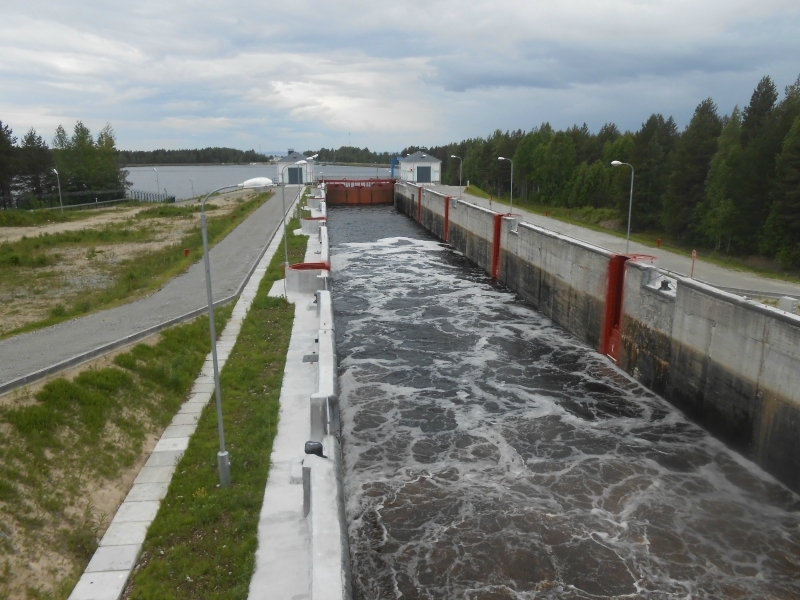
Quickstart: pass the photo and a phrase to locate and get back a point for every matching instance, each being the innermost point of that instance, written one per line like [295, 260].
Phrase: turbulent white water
[489, 454]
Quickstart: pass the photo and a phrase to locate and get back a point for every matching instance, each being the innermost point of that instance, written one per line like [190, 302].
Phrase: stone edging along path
[111, 566]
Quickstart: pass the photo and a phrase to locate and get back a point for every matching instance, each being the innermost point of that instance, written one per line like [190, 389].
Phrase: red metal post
[498, 221]
[446, 233]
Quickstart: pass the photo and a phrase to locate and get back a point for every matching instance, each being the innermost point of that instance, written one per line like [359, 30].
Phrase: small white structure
[421, 167]
[295, 174]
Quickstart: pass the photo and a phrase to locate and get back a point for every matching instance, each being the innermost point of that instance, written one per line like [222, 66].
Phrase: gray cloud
[194, 73]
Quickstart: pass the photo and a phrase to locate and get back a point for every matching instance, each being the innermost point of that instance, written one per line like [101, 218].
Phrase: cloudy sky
[245, 73]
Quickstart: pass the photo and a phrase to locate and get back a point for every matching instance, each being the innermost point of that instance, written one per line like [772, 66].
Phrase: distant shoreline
[230, 164]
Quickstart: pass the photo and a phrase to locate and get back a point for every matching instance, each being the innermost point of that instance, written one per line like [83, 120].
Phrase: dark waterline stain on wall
[489, 454]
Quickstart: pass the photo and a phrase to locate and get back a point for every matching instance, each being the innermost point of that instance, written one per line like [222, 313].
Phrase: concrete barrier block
[325, 310]
[788, 304]
[304, 280]
[318, 417]
[114, 558]
[330, 557]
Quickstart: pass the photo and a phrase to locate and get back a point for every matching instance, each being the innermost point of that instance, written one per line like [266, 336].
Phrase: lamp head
[501, 158]
[453, 156]
[54, 171]
[615, 163]
[300, 162]
[314, 156]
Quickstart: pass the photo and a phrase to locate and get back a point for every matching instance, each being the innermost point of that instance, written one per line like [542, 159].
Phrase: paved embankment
[729, 279]
[232, 260]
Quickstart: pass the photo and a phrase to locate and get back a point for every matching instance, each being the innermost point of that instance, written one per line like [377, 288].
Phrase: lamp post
[58, 179]
[192, 182]
[223, 460]
[460, 164]
[511, 195]
[158, 185]
[616, 163]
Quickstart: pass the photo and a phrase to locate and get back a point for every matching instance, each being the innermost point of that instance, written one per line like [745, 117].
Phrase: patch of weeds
[58, 311]
[202, 543]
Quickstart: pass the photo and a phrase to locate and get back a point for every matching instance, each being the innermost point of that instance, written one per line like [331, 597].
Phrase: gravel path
[231, 261]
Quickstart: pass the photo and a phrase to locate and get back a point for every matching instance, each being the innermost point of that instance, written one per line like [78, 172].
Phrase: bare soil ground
[34, 292]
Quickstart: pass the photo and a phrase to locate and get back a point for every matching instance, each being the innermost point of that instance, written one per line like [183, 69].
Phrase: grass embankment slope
[595, 219]
[50, 278]
[70, 451]
[202, 544]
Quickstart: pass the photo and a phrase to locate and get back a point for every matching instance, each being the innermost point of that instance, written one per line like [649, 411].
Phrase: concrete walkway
[722, 277]
[232, 259]
[283, 558]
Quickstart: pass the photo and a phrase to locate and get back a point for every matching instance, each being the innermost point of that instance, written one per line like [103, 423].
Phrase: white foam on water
[489, 454]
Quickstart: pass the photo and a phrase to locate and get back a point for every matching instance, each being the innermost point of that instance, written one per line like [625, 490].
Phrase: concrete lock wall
[731, 364]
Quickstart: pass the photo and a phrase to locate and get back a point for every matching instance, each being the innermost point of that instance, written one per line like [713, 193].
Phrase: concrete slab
[155, 475]
[172, 444]
[283, 568]
[142, 492]
[204, 387]
[129, 512]
[106, 585]
[176, 431]
[114, 558]
[125, 534]
[185, 419]
[166, 458]
[191, 408]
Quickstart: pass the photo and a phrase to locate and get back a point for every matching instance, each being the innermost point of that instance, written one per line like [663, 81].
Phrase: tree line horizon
[728, 182]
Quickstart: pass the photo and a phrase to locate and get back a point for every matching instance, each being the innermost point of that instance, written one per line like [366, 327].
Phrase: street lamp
[460, 164]
[511, 195]
[192, 182]
[616, 163]
[223, 460]
[158, 185]
[59, 190]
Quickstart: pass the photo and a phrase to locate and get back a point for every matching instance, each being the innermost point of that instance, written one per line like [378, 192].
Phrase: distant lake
[180, 181]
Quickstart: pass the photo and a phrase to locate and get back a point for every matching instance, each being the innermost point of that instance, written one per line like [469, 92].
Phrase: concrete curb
[128, 340]
[113, 562]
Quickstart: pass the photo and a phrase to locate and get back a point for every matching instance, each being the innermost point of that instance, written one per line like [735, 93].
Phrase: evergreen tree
[553, 166]
[85, 164]
[524, 163]
[35, 175]
[781, 236]
[758, 164]
[692, 158]
[653, 144]
[7, 163]
[719, 214]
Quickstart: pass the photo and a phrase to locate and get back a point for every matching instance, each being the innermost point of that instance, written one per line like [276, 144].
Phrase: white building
[294, 174]
[421, 167]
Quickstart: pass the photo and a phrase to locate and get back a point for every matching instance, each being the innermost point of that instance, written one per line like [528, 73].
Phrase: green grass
[131, 278]
[590, 218]
[87, 430]
[202, 543]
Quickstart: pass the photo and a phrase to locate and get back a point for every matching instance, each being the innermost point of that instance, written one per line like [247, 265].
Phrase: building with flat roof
[421, 167]
[294, 174]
